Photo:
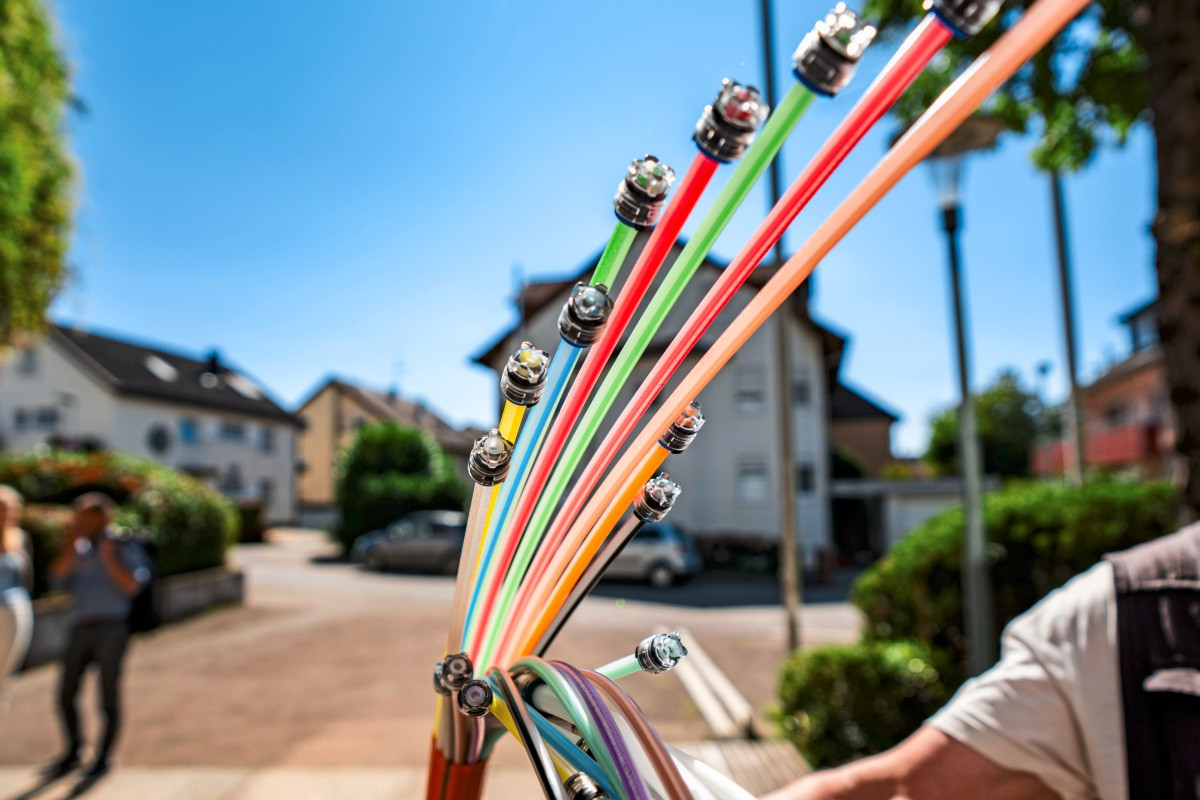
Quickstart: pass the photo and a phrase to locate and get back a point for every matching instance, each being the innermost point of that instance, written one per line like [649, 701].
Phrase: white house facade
[199, 416]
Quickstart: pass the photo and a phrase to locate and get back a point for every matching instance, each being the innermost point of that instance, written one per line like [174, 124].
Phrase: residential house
[334, 412]
[730, 473]
[198, 415]
[1129, 425]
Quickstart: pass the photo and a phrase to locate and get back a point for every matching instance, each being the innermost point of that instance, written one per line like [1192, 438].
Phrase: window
[806, 478]
[752, 482]
[265, 489]
[749, 394]
[266, 441]
[47, 418]
[21, 419]
[1116, 415]
[801, 392]
[233, 432]
[188, 431]
[232, 482]
[27, 364]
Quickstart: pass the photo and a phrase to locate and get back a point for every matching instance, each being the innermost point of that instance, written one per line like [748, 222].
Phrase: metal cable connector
[456, 671]
[585, 314]
[489, 459]
[685, 427]
[474, 698]
[656, 499]
[727, 127]
[965, 17]
[581, 787]
[643, 192]
[659, 653]
[828, 55]
[524, 376]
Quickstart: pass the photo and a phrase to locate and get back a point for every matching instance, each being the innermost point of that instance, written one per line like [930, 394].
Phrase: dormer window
[242, 386]
[161, 369]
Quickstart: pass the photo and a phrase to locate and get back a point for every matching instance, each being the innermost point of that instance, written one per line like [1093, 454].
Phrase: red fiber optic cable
[914, 54]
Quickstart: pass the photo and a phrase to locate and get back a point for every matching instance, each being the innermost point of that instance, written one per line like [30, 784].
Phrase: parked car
[660, 554]
[422, 540]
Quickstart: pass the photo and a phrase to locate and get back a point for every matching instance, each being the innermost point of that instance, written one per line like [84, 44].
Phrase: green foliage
[1039, 536]
[845, 464]
[844, 702]
[1008, 419]
[191, 524]
[390, 470]
[35, 172]
[1090, 80]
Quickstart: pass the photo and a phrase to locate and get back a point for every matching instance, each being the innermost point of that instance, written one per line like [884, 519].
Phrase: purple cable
[607, 727]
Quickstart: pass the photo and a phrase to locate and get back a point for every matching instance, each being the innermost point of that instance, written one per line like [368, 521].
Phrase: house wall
[87, 409]
[869, 440]
[317, 450]
[730, 473]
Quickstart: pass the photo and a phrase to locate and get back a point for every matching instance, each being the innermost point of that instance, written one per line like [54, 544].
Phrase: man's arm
[64, 565]
[121, 575]
[929, 765]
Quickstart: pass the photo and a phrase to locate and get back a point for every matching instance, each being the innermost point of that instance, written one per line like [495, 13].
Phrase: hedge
[390, 470]
[192, 525]
[843, 702]
[1039, 536]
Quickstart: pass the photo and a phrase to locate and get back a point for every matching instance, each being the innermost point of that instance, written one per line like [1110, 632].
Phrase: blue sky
[318, 187]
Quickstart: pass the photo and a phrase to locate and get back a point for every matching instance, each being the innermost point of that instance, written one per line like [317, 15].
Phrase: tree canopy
[1009, 418]
[1088, 83]
[35, 170]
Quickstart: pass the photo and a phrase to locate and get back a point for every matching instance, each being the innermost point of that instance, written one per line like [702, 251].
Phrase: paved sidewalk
[322, 681]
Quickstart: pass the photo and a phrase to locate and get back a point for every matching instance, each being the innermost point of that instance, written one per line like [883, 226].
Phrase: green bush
[1039, 536]
[390, 470]
[192, 525]
[844, 702]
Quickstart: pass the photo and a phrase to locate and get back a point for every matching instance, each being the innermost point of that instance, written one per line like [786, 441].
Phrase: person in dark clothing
[103, 573]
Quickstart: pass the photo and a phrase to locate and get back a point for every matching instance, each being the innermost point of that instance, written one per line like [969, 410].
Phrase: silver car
[422, 540]
[660, 554]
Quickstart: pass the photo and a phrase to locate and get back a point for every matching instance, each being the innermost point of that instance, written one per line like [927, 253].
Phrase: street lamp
[976, 133]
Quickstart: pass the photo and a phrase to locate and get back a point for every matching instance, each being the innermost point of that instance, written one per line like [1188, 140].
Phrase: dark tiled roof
[1142, 359]
[137, 370]
[845, 403]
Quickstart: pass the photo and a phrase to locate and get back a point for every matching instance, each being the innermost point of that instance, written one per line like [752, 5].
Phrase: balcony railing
[1112, 448]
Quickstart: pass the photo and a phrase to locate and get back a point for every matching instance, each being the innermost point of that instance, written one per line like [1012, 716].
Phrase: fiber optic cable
[1036, 27]
[523, 728]
[829, 55]
[913, 55]
[638, 201]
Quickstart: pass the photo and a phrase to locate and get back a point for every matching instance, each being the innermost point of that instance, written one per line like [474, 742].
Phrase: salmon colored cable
[640, 277]
[913, 55]
[1039, 24]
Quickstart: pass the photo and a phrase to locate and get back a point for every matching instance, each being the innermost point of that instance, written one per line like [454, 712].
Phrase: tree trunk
[1171, 41]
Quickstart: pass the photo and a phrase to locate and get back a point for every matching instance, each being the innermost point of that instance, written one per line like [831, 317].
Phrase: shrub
[390, 470]
[191, 524]
[1039, 536]
[843, 702]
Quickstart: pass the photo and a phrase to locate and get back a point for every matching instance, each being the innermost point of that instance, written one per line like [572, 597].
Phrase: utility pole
[1076, 463]
[789, 566]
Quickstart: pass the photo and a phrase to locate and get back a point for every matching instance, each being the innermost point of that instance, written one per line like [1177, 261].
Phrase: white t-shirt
[1052, 705]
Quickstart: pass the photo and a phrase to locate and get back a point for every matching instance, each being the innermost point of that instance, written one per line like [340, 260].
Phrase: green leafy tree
[1120, 62]
[35, 171]
[1007, 416]
[390, 470]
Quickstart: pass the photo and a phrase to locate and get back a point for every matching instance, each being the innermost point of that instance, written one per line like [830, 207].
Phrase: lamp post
[977, 133]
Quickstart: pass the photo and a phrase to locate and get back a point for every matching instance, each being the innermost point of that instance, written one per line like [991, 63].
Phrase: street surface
[320, 686]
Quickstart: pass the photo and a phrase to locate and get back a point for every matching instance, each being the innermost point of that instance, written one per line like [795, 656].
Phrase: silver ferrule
[474, 698]
[660, 652]
[524, 375]
[437, 680]
[683, 429]
[457, 670]
[656, 498]
[727, 127]
[584, 314]
[643, 192]
[488, 463]
[964, 17]
[827, 57]
[581, 787]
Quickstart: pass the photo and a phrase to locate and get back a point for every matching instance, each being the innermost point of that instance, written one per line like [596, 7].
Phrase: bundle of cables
[533, 549]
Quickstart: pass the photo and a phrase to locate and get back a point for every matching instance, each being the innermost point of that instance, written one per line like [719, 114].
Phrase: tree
[1008, 418]
[1121, 62]
[35, 171]
[390, 470]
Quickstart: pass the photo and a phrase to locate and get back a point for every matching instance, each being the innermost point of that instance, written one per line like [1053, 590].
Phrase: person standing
[103, 573]
[16, 612]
